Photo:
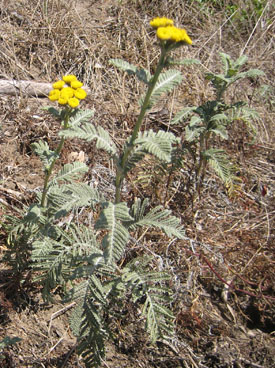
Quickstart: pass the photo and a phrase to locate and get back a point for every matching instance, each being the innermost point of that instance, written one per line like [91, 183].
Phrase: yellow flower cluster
[166, 31]
[68, 91]
[161, 22]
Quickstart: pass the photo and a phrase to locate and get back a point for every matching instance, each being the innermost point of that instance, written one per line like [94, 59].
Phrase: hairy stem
[56, 154]
[121, 166]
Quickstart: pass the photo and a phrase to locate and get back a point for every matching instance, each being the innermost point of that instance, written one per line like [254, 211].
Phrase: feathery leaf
[110, 219]
[142, 74]
[172, 61]
[88, 325]
[166, 82]
[89, 132]
[46, 155]
[183, 114]
[158, 217]
[81, 116]
[158, 144]
[222, 166]
[63, 199]
[70, 172]
[159, 319]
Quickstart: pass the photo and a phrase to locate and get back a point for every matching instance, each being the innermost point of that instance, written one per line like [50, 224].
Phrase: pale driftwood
[29, 88]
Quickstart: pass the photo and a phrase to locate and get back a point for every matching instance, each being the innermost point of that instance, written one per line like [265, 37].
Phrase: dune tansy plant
[87, 255]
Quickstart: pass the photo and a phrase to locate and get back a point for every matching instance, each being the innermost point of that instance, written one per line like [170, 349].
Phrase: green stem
[121, 166]
[56, 154]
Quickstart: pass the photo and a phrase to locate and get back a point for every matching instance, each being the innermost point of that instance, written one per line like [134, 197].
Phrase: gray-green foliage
[108, 293]
[142, 74]
[87, 259]
[89, 132]
[213, 118]
[167, 80]
[231, 73]
[158, 144]
[90, 254]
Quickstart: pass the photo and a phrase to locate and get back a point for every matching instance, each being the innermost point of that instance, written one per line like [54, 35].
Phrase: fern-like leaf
[83, 194]
[158, 144]
[34, 215]
[227, 62]
[252, 73]
[194, 129]
[138, 209]
[87, 323]
[46, 155]
[218, 124]
[183, 114]
[158, 217]
[111, 219]
[89, 132]
[138, 280]
[167, 82]
[159, 319]
[150, 284]
[65, 198]
[142, 74]
[220, 130]
[51, 259]
[81, 239]
[137, 154]
[30, 223]
[81, 116]
[219, 161]
[172, 61]
[70, 172]
[92, 346]
[247, 115]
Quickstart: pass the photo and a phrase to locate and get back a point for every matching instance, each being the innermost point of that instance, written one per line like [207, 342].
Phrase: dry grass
[229, 241]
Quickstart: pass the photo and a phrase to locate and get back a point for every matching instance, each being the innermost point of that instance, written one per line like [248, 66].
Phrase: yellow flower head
[67, 92]
[69, 78]
[54, 94]
[73, 102]
[184, 37]
[76, 84]
[161, 22]
[80, 93]
[63, 101]
[59, 84]
[174, 34]
[164, 33]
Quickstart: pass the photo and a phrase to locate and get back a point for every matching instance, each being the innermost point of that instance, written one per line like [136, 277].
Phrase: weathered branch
[29, 88]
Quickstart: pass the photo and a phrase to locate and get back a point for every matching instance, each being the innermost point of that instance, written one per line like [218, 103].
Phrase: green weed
[213, 118]
[86, 260]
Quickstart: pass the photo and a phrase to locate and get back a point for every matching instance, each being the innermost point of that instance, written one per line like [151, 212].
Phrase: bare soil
[230, 240]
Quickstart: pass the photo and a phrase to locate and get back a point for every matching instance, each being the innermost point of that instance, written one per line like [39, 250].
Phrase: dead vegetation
[223, 274]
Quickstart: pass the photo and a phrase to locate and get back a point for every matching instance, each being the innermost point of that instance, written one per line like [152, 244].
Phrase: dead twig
[59, 313]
